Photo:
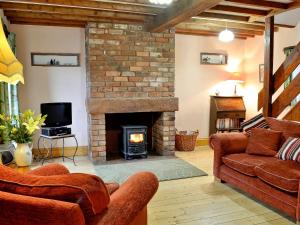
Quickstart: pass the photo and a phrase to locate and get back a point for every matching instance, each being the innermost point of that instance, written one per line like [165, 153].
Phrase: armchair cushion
[86, 190]
[128, 201]
[264, 142]
[112, 187]
[50, 169]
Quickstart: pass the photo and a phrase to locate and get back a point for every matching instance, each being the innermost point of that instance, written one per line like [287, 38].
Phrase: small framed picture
[213, 58]
[261, 70]
[55, 59]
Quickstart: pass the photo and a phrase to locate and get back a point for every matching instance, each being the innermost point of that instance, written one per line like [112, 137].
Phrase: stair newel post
[268, 61]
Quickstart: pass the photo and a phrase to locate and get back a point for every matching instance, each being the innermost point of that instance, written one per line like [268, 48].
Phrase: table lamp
[11, 70]
[235, 79]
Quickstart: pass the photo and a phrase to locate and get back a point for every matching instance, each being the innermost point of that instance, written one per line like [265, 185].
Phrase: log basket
[186, 141]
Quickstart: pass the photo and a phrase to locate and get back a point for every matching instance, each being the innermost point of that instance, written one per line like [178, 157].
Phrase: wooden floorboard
[199, 200]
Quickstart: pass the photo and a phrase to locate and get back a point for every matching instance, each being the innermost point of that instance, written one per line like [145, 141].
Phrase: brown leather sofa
[127, 203]
[273, 181]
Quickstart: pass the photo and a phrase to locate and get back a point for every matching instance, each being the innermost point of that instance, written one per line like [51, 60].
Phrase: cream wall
[53, 84]
[194, 83]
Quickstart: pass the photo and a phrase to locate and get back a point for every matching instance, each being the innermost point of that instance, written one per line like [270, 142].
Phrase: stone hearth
[130, 70]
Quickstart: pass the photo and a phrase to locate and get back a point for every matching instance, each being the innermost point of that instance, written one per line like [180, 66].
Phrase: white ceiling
[291, 17]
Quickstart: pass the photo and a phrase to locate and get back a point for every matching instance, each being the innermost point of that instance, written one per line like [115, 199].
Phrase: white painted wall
[194, 83]
[53, 84]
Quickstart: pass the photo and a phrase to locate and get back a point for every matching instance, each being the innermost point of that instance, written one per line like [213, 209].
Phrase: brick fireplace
[130, 71]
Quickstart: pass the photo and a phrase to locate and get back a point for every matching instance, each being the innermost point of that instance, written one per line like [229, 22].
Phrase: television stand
[53, 142]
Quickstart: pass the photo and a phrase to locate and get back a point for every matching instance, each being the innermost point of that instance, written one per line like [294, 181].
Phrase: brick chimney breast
[130, 70]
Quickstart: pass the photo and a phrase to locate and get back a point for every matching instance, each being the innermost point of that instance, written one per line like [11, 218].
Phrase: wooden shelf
[226, 109]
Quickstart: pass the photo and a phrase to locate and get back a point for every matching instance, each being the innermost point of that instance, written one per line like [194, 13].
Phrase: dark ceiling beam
[71, 18]
[207, 33]
[223, 16]
[224, 24]
[240, 10]
[234, 18]
[178, 12]
[20, 7]
[217, 29]
[274, 12]
[117, 6]
[268, 4]
[45, 22]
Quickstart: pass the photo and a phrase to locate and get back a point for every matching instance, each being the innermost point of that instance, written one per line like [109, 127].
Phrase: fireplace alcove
[114, 133]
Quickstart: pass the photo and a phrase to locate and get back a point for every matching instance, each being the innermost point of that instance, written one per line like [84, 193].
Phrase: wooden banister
[286, 97]
[287, 67]
[260, 100]
[294, 113]
[268, 74]
[282, 73]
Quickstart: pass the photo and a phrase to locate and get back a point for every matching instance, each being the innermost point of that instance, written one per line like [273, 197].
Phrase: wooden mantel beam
[268, 76]
[178, 12]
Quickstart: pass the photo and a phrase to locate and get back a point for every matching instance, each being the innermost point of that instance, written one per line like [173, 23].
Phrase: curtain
[9, 103]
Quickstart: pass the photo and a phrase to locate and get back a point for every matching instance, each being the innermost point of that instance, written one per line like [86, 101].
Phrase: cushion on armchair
[88, 191]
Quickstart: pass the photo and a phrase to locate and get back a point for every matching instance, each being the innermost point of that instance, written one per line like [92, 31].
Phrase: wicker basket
[185, 141]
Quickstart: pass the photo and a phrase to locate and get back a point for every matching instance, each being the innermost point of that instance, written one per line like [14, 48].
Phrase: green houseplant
[20, 129]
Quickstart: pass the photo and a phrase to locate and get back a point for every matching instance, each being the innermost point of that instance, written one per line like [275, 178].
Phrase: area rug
[169, 168]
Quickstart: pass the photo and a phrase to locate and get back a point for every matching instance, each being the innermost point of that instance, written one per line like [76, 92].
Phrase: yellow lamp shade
[11, 70]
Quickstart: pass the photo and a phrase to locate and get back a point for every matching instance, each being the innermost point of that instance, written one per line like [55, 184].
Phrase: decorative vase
[23, 154]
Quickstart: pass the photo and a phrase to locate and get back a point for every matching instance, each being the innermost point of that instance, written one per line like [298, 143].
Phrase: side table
[51, 139]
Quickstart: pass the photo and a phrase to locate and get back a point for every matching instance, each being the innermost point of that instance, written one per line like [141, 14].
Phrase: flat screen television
[58, 114]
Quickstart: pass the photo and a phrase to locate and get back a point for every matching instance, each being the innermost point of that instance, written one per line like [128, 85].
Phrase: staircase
[282, 103]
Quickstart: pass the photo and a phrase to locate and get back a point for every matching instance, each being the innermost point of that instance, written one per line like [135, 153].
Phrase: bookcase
[226, 113]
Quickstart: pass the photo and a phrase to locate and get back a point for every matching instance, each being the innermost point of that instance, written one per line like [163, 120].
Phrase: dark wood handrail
[294, 113]
[286, 97]
[287, 67]
[282, 73]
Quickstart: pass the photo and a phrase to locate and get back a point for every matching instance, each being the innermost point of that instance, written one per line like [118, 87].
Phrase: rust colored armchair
[127, 203]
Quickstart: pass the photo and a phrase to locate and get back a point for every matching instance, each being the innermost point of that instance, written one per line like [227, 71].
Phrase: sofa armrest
[21, 209]
[49, 170]
[128, 201]
[224, 144]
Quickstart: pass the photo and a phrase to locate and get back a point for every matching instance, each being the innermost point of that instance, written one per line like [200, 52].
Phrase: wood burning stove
[134, 142]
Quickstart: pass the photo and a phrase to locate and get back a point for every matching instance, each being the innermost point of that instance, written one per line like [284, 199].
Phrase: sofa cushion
[258, 121]
[287, 127]
[290, 150]
[112, 187]
[245, 163]
[284, 175]
[264, 142]
[88, 191]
